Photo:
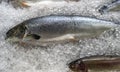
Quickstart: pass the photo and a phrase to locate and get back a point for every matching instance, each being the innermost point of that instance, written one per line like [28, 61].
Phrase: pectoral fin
[60, 38]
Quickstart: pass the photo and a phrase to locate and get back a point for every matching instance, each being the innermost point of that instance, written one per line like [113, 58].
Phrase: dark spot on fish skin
[36, 37]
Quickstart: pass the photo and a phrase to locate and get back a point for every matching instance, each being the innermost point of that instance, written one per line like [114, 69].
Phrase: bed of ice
[14, 58]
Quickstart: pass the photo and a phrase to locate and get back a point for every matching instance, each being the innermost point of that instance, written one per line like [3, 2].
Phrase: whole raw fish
[113, 7]
[48, 29]
[96, 64]
[28, 3]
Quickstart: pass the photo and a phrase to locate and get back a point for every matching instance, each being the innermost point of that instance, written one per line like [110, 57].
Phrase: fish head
[16, 32]
[103, 9]
[78, 66]
[21, 33]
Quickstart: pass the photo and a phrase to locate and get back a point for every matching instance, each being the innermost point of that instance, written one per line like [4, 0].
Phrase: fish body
[55, 28]
[96, 64]
[112, 7]
[34, 2]
[29, 3]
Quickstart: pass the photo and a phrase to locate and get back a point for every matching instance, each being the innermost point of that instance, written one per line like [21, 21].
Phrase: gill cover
[18, 31]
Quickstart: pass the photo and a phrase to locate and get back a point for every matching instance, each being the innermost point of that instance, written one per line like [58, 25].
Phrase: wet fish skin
[96, 64]
[28, 3]
[34, 2]
[49, 29]
[112, 7]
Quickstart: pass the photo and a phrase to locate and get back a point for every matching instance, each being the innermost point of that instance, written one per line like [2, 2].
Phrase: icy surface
[55, 58]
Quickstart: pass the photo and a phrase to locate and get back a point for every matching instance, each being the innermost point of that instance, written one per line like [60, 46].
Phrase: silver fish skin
[29, 3]
[55, 28]
[36, 2]
[96, 64]
[112, 7]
